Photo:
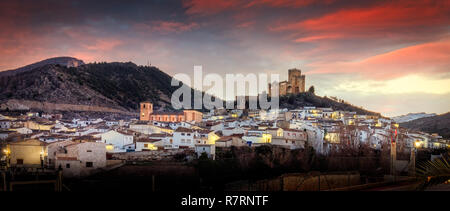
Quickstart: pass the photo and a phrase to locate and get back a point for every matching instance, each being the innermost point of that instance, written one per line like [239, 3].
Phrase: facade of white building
[120, 141]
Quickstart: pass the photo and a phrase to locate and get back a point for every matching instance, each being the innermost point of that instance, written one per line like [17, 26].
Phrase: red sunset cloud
[369, 22]
[429, 58]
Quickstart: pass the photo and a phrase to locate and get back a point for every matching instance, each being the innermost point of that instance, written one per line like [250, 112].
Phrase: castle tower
[146, 111]
[302, 83]
[294, 80]
[294, 85]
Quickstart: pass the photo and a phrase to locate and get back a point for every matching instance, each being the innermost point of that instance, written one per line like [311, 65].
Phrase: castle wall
[294, 85]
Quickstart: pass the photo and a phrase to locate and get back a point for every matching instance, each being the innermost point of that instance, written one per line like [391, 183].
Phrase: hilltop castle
[294, 85]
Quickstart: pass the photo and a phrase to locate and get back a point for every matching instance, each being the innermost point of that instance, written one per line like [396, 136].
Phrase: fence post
[60, 181]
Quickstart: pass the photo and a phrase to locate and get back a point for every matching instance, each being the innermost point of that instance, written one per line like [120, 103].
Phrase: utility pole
[412, 161]
[394, 152]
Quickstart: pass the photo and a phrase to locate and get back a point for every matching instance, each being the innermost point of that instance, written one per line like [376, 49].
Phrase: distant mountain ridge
[435, 124]
[411, 116]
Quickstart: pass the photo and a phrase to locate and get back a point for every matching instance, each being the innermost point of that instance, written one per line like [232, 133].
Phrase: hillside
[90, 87]
[436, 124]
[310, 99]
[63, 61]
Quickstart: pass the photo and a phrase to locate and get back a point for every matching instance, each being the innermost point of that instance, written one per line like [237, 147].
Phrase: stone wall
[14, 104]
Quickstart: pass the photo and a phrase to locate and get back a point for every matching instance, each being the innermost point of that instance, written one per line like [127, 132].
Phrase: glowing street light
[417, 144]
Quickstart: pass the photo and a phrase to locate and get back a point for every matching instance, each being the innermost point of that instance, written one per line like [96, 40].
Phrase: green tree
[311, 89]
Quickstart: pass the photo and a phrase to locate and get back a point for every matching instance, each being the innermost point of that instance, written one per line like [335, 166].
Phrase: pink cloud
[103, 44]
[428, 58]
[370, 22]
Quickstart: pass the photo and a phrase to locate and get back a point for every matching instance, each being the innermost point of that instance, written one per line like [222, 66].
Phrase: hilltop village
[82, 146]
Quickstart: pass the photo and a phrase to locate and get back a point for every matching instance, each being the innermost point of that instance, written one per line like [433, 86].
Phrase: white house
[112, 123]
[147, 144]
[81, 158]
[232, 130]
[218, 126]
[209, 149]
[257, 137]
[146, 128]
[24, 130]
[289, 143]
[120, 141]
[81, 122]
[228, 141]
[5, 124]
[53, 148]
[183, 137]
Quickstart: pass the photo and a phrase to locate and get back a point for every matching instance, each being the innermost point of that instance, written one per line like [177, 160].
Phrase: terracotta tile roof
[293, 130]
[150, 140]
[128, 133]
[224, 138]
[158, 135]
[167, 113]
[183, 129]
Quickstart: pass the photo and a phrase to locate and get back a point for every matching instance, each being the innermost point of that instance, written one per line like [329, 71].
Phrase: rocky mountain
[411, 116]
[435, 124]
[111, 87]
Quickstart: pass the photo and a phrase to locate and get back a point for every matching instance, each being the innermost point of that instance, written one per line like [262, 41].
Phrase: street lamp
[42, 158]
[412, 159]
[417, 144]
[7, 153]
